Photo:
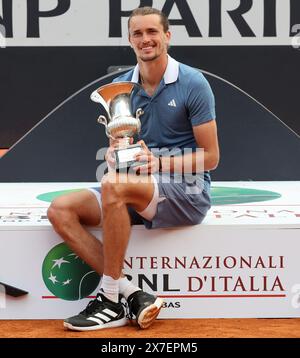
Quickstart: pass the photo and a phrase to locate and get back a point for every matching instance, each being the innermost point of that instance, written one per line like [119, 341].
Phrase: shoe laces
[93, 305]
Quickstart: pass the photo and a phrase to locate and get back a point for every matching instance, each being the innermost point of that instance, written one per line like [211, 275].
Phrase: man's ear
[129, 41]
[168, 34]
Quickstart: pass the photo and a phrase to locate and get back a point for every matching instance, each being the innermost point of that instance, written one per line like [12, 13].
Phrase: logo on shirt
[172, 103]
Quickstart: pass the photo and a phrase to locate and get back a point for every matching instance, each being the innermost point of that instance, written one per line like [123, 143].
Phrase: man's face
[147, 37]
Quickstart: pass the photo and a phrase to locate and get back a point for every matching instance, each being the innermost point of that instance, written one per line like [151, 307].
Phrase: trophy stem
[125, 142]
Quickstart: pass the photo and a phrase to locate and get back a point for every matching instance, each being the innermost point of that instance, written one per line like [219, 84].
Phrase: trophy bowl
[116, 98]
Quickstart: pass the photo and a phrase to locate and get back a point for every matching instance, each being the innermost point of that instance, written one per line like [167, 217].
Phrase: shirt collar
[170, 75]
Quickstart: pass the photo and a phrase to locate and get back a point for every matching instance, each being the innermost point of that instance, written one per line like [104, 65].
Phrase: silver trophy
[116, 98]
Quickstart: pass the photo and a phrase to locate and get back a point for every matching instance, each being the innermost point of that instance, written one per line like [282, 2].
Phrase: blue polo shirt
[182, 100]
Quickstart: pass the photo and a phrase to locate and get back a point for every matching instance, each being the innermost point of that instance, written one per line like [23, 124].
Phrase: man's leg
[118, 191]
[68, 214]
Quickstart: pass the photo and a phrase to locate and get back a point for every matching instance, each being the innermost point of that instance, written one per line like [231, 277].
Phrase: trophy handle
[103, 120]
[139, 112]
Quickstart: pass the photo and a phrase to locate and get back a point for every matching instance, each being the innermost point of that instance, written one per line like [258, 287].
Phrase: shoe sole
[149, 314]
[113, 324]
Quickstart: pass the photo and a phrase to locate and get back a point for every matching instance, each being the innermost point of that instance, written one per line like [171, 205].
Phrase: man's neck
[152, 72]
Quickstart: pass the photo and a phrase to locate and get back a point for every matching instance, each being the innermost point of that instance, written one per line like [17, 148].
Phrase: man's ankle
[110, 288]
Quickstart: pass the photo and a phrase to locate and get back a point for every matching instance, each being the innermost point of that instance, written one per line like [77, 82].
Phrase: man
[178, 113]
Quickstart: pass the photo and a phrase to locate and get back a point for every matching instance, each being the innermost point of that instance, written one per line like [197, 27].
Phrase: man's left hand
[145, 155]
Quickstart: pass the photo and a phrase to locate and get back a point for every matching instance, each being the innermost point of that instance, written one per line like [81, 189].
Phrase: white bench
[243, 261]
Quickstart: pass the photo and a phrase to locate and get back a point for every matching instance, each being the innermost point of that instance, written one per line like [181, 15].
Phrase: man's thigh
[135, 190]
[84, 204]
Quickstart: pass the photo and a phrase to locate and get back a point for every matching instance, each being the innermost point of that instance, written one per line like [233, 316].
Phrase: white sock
[110, 288]
[126, 287]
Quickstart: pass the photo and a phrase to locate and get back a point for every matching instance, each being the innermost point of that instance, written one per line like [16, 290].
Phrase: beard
[149, 58]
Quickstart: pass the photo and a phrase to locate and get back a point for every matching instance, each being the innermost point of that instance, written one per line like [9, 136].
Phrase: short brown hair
[147, 10]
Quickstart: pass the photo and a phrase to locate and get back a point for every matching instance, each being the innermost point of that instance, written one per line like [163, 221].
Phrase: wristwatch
[160, 164]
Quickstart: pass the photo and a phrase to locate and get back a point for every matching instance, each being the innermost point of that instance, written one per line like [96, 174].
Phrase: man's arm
[207, 159]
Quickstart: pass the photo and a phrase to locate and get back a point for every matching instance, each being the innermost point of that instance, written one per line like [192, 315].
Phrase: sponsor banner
[233, 203]
[243, 261]
[193, 22]
[200, 271]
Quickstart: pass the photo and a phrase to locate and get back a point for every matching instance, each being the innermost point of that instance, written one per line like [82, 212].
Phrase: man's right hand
[110, 157]
[110, 154]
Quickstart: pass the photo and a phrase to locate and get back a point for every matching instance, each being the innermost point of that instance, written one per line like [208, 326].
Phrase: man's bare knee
[60, 213]
[112, 194]
[111, 177]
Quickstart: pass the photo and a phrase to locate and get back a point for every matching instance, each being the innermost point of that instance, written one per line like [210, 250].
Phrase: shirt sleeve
[200, 100]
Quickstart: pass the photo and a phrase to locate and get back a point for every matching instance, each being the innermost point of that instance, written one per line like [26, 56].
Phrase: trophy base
[125, 157]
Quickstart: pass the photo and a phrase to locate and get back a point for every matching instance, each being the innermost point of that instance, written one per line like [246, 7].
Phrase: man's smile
[147, 48]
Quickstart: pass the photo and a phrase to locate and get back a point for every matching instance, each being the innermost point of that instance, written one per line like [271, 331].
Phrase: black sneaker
[99, 313]
[144, 307]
